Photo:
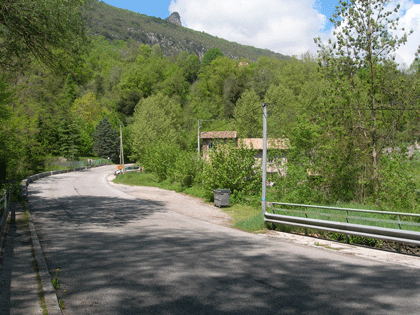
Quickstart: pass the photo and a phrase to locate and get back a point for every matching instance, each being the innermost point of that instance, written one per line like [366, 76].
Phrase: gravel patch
[177, 202]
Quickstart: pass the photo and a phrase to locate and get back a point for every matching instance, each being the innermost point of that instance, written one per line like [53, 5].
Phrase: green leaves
[248, 115]
[231, 167]
[361, 110]
[211, 55]
[156, 119]
[51, 31]
[106, 141]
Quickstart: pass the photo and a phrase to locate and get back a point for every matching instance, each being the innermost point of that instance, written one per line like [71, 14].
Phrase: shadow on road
[132, 257]
[101, 211]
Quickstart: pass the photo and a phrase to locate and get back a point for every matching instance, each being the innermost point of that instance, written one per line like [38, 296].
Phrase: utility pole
[198, 137]
[121, 151]
[72, 153]
[264, 159]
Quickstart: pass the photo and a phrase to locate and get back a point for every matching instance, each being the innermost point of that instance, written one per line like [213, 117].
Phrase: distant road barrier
[384, 225]
[5, 199]
[77, 166]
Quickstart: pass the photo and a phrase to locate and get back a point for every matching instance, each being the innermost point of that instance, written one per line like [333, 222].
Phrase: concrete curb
[51, 299]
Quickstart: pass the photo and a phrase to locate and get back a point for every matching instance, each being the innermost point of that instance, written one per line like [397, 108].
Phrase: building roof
[218, 135]
[257, 143]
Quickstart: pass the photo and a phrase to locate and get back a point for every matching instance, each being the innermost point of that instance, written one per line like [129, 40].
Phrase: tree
[247, 115]
[156, 119]
[69, 139]
[192, 67]
[85, 114]
[362, 104]
[105, 140]
[52, 31]
[88, 109]
[283, 110]
[210, 89]
[5, 114]
[210, 55]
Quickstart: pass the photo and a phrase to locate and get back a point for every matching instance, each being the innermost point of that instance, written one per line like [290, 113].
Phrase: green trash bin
[221, 197]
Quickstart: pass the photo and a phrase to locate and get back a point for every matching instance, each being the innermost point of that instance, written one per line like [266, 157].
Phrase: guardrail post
[399, 226]
[306, 216]
[347, 221]
[399, 222]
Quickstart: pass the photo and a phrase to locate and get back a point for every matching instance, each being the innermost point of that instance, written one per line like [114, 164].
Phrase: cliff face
[119, 24]
[175, 18]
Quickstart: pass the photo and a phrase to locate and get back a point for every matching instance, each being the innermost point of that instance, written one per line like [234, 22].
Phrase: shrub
[399, 185]
[185, 168]
[230, 167]
[159, 158]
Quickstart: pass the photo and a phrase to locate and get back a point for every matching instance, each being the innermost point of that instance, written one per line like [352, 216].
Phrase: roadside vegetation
[351, 114]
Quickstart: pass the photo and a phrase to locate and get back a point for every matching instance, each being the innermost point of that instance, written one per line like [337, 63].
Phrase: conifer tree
[105, 140]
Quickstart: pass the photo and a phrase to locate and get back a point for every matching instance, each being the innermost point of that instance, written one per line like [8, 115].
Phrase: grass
[251, 224]
[151, 180]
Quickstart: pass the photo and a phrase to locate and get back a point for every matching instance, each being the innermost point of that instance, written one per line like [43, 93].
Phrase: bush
[399, 186]
[185, 168]
[299, 187]
[159, 158]
[230, 167]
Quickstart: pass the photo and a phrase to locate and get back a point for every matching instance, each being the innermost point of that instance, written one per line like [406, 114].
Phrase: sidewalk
[23, 290]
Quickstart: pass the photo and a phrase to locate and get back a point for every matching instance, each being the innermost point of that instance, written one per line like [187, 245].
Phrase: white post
[198, 137]
[121, 151]
[264, 158]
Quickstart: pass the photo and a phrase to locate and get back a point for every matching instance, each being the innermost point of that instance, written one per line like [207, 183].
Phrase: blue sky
[160, 8]
[284, 26]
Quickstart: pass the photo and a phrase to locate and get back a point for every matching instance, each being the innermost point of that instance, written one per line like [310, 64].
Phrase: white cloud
[284, 26]
[409, 21]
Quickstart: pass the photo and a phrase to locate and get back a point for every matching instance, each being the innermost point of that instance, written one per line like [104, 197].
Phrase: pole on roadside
[264, 159]
[121, 151]
[198, 137]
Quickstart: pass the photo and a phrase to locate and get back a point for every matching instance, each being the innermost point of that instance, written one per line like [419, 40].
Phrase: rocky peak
[175, 18]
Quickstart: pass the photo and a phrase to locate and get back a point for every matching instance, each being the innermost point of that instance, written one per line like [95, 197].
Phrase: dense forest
[350, 114]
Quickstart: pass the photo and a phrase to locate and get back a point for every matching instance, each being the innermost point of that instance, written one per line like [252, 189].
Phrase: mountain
[120, 24]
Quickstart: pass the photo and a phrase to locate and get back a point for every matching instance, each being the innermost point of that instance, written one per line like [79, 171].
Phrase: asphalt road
[122, 250]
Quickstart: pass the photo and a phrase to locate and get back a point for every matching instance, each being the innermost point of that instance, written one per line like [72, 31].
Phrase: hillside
[119, 24]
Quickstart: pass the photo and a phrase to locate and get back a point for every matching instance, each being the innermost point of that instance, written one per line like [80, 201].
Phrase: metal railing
[389, 226]
[4, 213]
[78, 164]
[82, 166]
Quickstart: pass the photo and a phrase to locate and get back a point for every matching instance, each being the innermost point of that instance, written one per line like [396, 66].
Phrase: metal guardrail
[4, 213]
[382, 225]
[5, 199]
[84, 165]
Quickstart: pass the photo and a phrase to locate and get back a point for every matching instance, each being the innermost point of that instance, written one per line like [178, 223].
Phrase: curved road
[122, 250]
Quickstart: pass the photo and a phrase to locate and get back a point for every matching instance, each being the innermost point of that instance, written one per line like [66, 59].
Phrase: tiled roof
[218, 135]
[257, 143]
